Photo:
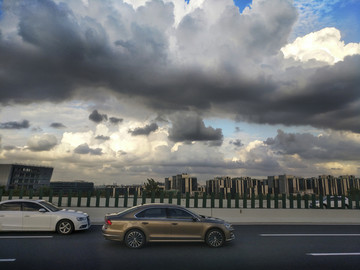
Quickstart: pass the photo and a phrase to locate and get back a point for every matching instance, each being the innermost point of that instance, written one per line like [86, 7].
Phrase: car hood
[72, 212]
[213, 220]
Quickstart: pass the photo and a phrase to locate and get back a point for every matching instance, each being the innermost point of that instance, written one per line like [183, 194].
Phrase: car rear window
[10, 206]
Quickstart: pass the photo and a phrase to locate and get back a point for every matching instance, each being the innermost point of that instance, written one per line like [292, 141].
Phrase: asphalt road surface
[256, 247]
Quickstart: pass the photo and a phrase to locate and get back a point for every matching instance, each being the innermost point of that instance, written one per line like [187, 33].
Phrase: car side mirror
[42, 210]
[195, 219]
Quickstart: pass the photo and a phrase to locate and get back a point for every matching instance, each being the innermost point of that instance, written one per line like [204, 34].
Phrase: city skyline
[203, 183]
[125, 90]
[25, 177]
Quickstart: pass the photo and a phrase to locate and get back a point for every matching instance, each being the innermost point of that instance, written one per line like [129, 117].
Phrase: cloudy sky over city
[118, 91]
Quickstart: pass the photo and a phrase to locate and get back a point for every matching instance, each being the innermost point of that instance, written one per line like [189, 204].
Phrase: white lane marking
[309, 234]
[7, 260]
[25, 237]
[334, 254]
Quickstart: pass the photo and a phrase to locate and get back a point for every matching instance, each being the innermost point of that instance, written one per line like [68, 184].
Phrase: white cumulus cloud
[324, 46]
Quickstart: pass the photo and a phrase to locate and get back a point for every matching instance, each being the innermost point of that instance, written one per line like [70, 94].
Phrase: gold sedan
[165, 222]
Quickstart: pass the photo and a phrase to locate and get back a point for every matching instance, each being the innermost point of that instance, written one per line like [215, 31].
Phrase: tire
[215, 238]
[134, 239]
[65, 227]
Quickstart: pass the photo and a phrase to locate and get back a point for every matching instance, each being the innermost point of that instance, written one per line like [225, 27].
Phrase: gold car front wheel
[215, 238]
[134, 239]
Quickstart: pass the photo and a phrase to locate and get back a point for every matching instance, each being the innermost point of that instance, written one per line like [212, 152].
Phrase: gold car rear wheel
[135, 239]
[215, 238]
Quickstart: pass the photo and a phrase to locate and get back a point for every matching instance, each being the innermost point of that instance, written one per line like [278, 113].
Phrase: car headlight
[80, 218]
[228, 226]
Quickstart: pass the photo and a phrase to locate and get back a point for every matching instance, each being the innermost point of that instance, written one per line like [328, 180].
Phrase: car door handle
[174, 223]
[145, 223]
[26, 216]
[2, 216]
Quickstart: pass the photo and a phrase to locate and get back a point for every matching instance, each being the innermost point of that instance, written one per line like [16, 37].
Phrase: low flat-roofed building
[74, 186]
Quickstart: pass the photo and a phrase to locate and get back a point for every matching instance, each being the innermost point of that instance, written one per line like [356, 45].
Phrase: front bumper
[231, 236]
[83, 225]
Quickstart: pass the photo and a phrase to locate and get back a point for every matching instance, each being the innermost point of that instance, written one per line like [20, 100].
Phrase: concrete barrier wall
[255, 216]
[111, 202]
[234, 215]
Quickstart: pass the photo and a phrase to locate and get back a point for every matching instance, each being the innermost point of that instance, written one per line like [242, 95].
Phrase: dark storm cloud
[40, 143]
[96, 117]
[307, 146]
[115, 120]
[188, 128]
[57, 125]
[330, 99]
[61, 48]
[237, 143]
[15, 125]
[102, 138]
[144, 130]
[58, 50]
[84, 149]
[9, 147]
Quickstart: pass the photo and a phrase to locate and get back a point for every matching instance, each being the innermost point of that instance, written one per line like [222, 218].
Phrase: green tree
[152, 186]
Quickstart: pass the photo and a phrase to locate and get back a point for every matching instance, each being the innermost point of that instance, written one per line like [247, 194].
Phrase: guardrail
[104, 199]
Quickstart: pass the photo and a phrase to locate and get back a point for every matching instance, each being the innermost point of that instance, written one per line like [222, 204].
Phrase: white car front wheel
[65, 226]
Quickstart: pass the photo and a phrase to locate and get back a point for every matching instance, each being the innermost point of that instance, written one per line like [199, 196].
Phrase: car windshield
[194, 214]
[50, 206]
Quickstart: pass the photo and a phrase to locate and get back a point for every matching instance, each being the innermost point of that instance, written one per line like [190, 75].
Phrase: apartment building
[182, 182]
[239, 185]
[283, 184]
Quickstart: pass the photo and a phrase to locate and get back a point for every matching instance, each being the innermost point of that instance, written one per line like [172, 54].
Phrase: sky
[119, 91]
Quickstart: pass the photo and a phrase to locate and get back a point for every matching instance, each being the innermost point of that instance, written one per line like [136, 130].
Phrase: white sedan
[39, 215]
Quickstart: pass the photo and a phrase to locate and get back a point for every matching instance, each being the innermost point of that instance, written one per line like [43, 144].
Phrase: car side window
[28, 206]
[152, 213]
[178, 214]
[10, 206]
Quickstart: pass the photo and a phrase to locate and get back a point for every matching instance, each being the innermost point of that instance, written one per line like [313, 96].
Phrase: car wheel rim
[215, 239]
[65, 227]
[135, 239]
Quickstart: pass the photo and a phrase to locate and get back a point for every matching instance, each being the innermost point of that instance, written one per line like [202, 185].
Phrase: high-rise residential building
[273, 184]
[240, 185]
[285, 184]
[218, 185]
[17, 176]
[326, 185]
[182, 182]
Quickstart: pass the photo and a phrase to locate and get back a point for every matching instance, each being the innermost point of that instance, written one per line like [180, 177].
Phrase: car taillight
[108, 222]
